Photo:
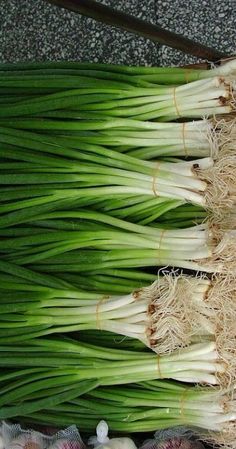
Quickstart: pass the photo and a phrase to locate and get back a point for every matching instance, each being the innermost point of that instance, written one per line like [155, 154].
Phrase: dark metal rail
[130, 23]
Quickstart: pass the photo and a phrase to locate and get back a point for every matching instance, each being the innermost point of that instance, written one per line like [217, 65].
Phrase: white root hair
[185, 309]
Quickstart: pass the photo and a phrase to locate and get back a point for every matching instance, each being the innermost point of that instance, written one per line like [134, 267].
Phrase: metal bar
[130, 23]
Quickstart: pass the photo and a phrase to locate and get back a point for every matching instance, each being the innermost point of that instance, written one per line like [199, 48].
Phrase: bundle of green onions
[140, 139]
[173, 312]
[56, 164]
[118, 92]
[90, 97]
[49, 365]
[143, 140]
[150, 406]
[60, 386]
[120, 244]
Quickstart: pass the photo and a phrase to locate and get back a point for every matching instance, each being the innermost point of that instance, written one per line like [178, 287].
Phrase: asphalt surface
[33, 30]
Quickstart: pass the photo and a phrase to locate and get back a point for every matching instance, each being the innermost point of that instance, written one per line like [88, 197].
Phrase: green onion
[144, 140]
[76, 383]
[110, 175]
[150, 406]
[109, 340]
[197, 363]
[171, 313]
[127, 95]
[199, 247]
[140, 139]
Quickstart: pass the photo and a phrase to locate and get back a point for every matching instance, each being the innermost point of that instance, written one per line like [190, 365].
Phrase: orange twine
[159, 367]
[98, 323]
[182, 401]
[184, 143]
[154, 189]
[187, 74]
[175, 102]
[161, 237]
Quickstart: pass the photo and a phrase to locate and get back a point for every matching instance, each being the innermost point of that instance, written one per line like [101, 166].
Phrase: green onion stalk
[61, 171]
[145, 140]
[122, 73]
[140, 139]
[112, 281]
[182, 216]
[47, 366]
[149, 406]
[122, 245]
[95, 166]
[61, 381]
[172, 313]
[106, 92]
[109, 340]
[116, 105]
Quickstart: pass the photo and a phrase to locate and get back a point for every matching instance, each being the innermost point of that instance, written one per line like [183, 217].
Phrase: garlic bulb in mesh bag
[12, 436]
[174, 438]
[67, 439]
[102, 441]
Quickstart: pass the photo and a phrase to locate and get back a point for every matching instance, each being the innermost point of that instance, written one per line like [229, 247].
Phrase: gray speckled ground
[33, 30]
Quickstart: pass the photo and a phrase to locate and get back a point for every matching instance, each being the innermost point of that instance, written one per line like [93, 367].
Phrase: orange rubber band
[154, 189]
[175, 102]
[187, 75]
[98, 322]
[161, 237]
[159, 368]
[184, 143]
[182, 402]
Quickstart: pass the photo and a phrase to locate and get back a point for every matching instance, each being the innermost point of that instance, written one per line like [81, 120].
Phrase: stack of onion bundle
[85, 211]
[64, 128]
